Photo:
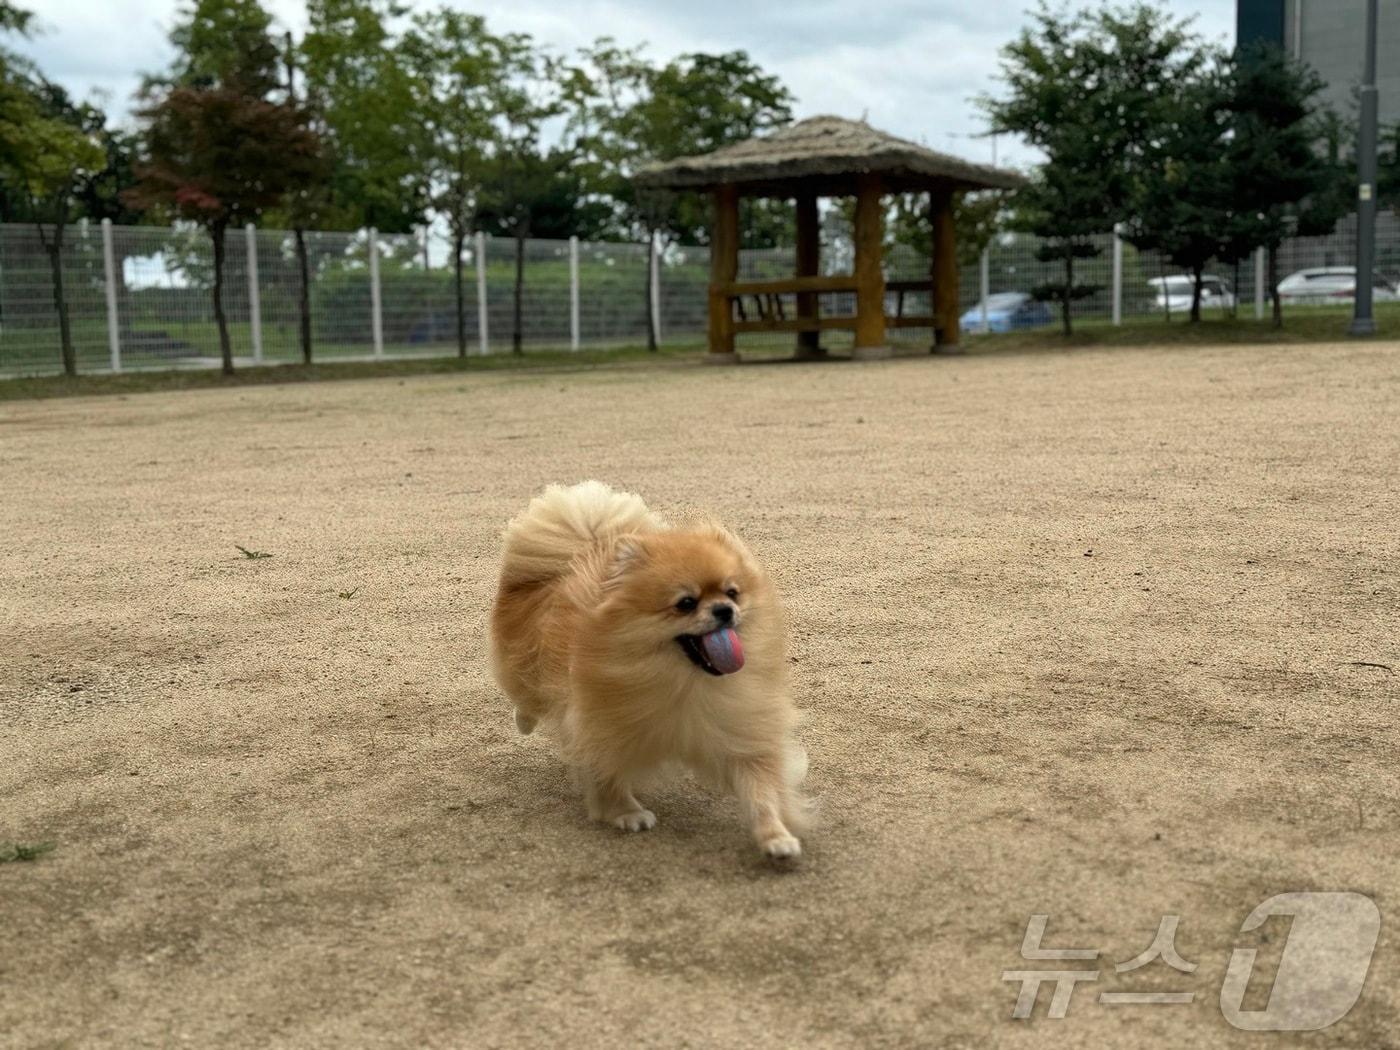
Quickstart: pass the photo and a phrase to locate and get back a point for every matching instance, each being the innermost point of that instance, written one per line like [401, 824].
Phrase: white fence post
[109, 270]
[1260, 269]
[250, 239]
[655, 278]
[573, 294]
[376, 304]
[483, 332]
[1117, 274]
[985, 274]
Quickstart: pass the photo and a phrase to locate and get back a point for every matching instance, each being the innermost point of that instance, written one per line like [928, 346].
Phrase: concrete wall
[1329, 36]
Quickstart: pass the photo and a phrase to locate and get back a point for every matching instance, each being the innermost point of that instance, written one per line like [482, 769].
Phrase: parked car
[1330, 284]
[1006, 312]
[1175, 292]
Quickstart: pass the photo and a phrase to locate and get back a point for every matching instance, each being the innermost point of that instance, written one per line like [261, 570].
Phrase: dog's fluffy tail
[562, 522]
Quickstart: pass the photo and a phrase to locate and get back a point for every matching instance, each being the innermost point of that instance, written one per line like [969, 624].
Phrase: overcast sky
[911, 66]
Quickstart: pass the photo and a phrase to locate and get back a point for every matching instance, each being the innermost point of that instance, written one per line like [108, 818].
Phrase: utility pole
[1362, 321]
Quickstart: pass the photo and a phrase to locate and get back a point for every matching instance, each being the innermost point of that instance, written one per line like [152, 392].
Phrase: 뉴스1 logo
[1320, 975]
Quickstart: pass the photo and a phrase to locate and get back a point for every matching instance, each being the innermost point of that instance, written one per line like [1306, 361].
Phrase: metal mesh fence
[28, 316]
[684, 280]
[418, 301]
[613, 299]
[162, 284]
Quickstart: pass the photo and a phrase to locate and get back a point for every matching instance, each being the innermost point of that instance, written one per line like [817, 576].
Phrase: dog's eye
[687, 604]
[733, 593]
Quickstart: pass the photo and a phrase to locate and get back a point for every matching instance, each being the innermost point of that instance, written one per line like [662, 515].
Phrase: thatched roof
[823, 154]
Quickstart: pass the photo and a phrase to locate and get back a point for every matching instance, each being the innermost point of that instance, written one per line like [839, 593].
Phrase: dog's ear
[627, 554]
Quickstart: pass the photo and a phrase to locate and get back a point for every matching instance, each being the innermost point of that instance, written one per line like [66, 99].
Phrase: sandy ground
[1078, 634]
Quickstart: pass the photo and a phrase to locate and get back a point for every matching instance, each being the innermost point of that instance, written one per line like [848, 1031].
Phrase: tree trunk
[1166, 291]
[516, 335]
[304, 295]
[54, 250]
[303, 267]
[1235, 294]
[216, 233]
[1196, 294]
[651, 328]
[1069, 291]
[459, 240]
[1273, 288]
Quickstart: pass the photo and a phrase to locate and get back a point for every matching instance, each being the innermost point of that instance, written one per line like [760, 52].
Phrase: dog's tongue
[724, 650]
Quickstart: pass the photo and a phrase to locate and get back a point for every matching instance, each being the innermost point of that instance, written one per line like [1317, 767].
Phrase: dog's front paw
[637, 820]
[781, 847]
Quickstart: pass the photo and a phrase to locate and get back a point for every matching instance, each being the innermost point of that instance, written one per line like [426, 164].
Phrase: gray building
[1329, 35]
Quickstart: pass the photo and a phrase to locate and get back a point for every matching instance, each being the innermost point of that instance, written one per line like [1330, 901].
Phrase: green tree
[977, 216]
[535, 194]
[50, 146]
[99, 192]
[218, 150]
[47, 147]
[460, 73]
[308, 202]
[14, 19]
[1088, 89]
[1281, 182]
[1182, 202]
[627, 113]
[1050, 103]
[101, 195]
[360, 86]
[524, 185]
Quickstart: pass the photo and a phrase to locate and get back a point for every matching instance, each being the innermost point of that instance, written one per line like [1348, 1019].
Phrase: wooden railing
[789, 286]
[795, 324]
[902, 320]
[767, 296]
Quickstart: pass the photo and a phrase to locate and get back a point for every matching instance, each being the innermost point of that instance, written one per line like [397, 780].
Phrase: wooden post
[946, 335]
[809, 260]
[724, 269]
[870, 279]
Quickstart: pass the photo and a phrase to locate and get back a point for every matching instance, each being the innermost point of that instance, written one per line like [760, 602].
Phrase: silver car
[1175, 292]
[1324, 285]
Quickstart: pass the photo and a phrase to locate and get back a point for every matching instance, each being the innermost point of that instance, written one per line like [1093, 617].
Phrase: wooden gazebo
[827, 157]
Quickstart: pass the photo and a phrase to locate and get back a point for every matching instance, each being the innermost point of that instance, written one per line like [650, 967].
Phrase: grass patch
[19, 852]
[1300, 325]
[35, 387]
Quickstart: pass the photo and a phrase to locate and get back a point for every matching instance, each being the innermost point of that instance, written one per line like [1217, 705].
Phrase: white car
[1175, 292]
[1329, 284]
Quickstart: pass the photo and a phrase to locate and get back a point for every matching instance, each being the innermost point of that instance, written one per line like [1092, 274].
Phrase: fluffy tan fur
[584, 640]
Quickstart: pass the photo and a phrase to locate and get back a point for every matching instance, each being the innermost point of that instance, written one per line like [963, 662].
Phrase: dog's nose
[722, 613]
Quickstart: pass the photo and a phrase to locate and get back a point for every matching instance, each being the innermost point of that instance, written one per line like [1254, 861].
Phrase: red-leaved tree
[218, 149]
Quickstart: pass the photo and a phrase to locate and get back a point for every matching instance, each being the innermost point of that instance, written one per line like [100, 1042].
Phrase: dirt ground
[1081, 634]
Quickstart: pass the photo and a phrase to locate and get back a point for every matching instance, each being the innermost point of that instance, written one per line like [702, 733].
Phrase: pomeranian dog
[642, 645]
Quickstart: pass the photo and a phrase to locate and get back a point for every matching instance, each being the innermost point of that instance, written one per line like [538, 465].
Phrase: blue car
[1007, 312]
